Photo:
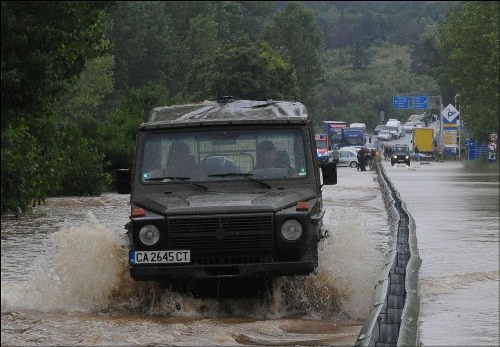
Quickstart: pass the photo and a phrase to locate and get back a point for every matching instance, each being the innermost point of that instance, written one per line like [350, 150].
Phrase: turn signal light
[302, 206]
[138, 212]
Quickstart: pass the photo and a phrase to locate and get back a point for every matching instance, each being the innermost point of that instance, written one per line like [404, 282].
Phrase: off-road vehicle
[225, 189]
[400, 154]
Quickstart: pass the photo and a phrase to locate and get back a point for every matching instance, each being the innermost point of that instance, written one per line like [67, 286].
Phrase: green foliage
[44, 47]
[43, 44]
[246, 70]
[85, 95]
[294, 33]
[22, 185]
[468, 44]
[84, 172]
[145, 44]
[120, 126]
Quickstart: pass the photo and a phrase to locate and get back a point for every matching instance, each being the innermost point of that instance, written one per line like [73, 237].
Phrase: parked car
[353, 148]
[348, 157]
[384, 135]
[408, 127]
[400, 154]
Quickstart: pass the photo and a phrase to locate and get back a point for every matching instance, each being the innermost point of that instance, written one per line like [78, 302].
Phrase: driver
[266, 155]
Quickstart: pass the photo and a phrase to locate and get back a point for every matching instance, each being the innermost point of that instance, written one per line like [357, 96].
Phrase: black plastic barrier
[393, 318]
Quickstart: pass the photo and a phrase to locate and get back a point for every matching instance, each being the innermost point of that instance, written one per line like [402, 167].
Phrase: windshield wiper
[176, 178]
[246, 175]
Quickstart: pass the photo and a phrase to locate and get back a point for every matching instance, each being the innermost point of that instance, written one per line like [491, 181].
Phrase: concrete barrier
[393, 318]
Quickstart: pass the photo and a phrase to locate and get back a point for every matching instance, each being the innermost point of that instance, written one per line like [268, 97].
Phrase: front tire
[353, 164]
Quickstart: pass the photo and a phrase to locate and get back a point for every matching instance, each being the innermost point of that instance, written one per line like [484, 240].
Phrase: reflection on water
[457, 219]
[65, 281]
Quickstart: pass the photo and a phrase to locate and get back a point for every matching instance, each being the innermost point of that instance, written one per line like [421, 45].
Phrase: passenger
[180, 163]
[417, 152]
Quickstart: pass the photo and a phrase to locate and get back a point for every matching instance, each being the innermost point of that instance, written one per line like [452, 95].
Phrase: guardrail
[393, 318]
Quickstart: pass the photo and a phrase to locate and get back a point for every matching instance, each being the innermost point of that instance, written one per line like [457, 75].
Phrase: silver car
[348, 157]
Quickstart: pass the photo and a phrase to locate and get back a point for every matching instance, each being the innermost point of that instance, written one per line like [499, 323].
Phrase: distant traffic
[340, 142]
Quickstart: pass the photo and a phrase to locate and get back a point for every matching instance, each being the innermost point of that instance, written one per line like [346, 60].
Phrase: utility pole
[441, 145]
[457, 97]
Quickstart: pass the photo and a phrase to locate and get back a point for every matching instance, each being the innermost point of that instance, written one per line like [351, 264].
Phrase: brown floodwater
[65, 281]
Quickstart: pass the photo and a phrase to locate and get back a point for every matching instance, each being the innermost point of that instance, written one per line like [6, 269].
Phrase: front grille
[222, 235]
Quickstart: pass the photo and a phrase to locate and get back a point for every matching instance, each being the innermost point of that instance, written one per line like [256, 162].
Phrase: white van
[397, 124]
[358, 125]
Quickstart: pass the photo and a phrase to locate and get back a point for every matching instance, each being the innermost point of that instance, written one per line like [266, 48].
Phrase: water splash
[349, 265]
[82, 271]
[86, 270]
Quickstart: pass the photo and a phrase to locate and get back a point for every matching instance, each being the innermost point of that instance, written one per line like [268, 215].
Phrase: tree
[145, 44]
[469, 51]
[245, 69]
[44, 46]
[294, 34]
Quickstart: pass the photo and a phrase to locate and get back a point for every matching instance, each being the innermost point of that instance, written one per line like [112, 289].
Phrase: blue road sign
[400, 102]
[420, 101]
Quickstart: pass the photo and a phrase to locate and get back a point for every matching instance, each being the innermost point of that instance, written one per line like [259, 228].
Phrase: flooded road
[457, 226]
[65, 281]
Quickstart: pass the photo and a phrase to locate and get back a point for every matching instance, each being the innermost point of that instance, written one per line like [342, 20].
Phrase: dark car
[225, 190]
[400, 154]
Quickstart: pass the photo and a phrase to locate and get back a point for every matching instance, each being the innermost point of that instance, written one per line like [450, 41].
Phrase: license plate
[160, 257]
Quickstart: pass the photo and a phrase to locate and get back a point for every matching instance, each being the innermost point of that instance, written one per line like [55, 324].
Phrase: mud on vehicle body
[206, 204]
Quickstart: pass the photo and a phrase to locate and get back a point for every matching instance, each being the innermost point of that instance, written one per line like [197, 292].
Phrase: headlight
[407, 157]
[291, 230]
[149, 235]
[394, 156]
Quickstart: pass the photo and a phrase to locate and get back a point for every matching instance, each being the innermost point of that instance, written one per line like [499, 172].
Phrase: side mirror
[123, 181]
[329, 172]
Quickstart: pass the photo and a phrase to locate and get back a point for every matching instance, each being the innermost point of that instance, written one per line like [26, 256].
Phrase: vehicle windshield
[384, 131]
[402, 149]
[392, 128]
[409, 124]
[215, 155]
[320, 144]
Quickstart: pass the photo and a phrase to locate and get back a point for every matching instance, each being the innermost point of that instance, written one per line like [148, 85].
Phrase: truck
[353, 137]
[223, 191]
[423, 139]
[333, 130]
[341, 135]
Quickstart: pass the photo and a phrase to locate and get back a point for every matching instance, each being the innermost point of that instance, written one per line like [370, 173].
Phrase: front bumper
[156, 273]
[400, 160]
